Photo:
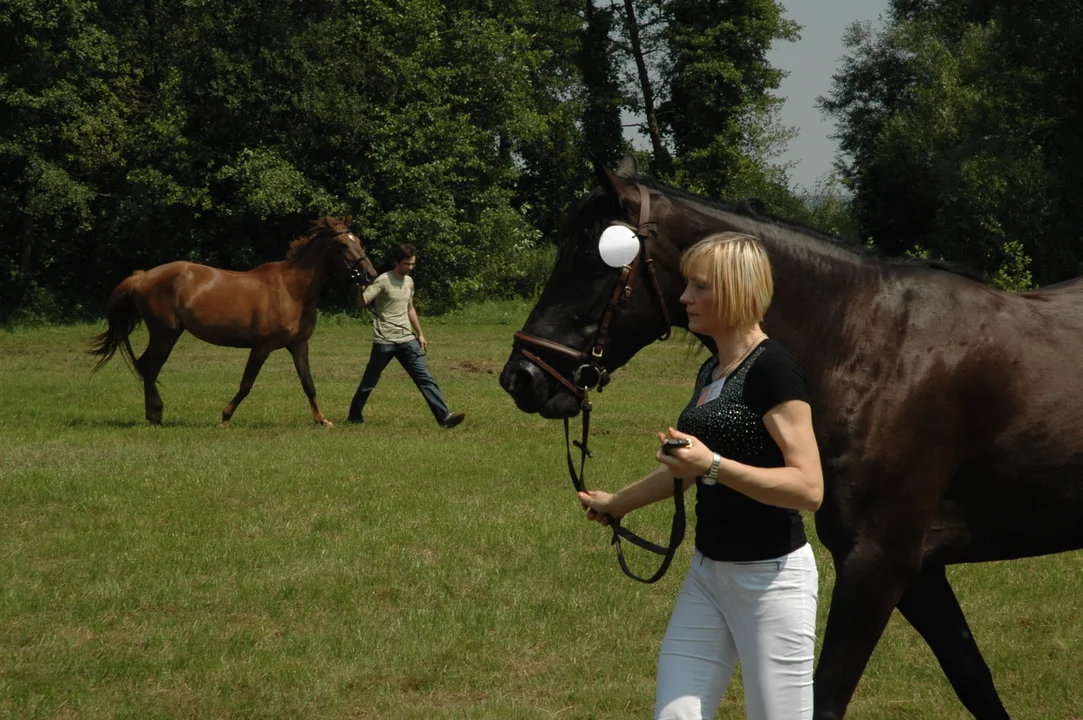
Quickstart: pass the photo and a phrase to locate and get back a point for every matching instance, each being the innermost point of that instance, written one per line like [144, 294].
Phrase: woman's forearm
[658, 485]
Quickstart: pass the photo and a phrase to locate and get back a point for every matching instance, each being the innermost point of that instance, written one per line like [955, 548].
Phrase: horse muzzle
[526, 384]
[532, 391]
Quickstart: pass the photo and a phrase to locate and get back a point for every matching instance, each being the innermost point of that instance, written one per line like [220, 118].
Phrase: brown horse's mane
[319, 227]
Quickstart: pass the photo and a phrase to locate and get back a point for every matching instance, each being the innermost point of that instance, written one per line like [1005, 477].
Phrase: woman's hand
[599, 505]
[689, 462]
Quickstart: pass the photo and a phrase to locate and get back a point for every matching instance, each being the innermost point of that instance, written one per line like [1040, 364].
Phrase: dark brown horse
[270, 307]
[949, 414]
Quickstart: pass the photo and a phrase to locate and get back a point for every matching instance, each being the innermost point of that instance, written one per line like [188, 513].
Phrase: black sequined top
[731, 526]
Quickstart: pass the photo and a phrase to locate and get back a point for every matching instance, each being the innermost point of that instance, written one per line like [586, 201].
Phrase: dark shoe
[452, 420]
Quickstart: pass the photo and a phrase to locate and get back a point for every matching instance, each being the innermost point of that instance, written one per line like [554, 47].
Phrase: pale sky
[811, 61]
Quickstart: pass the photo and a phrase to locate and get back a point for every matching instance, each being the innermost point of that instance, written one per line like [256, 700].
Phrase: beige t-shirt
[390, 298]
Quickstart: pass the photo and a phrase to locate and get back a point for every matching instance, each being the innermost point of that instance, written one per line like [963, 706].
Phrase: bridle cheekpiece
[590, 373]
[353, 268]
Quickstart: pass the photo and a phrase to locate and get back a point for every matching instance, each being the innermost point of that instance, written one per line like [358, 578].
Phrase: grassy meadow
[391, 570]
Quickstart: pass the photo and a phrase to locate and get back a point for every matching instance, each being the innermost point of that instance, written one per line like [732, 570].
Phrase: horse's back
[1075, 285]
[223, 307]
[1013, 354]
[156, 290]
[184, 271]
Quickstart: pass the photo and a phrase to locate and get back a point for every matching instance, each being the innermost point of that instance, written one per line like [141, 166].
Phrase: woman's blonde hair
[738, 271]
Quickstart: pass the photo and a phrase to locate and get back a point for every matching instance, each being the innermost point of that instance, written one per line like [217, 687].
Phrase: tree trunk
[662, 161]
[26, 253]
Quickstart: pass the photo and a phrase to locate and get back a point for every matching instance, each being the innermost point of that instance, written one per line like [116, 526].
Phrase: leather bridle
[353, 267]
[591, 373]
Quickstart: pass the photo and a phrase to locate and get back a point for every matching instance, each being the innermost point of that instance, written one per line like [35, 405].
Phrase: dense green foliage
[135, 133]
[720, 111]
[960, 125]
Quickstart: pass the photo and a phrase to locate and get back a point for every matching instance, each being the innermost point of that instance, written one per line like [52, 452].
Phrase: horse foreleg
[149, 364]
[256, 358]
[299, 353]
[931, 607]
[868, 585]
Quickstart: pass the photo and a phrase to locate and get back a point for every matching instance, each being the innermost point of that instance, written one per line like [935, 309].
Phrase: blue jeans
[409, 356]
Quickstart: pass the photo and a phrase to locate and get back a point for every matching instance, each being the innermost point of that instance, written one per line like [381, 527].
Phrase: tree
[135, 132]
[603, 130]
[643, 42]
[959, 132]
[65, 94]
[142, 132]
[720, 111]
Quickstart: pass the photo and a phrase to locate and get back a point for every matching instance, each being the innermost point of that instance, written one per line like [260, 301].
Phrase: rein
[591, 373]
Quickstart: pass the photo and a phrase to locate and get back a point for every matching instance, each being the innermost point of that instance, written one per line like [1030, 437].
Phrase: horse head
[350, 255]
[592, 317]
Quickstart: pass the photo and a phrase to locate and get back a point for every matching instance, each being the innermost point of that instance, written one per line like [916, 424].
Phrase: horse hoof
[224, 424]
[325, 422]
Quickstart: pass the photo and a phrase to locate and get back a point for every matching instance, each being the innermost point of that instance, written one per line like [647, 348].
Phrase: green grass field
[393, 570]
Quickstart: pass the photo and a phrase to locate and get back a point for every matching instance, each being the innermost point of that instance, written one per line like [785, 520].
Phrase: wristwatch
[712, 475]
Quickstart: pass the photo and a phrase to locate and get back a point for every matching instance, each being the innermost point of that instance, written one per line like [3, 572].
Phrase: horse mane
[303, 243]
[755, 209]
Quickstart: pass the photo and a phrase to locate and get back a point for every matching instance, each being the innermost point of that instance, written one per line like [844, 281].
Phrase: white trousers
[761, 613]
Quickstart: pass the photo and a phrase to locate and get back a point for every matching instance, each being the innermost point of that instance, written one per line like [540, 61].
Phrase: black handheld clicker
[673, 443]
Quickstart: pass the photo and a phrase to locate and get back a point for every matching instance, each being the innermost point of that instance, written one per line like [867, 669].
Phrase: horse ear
[628, 167]
[614, 183]
[753, 208]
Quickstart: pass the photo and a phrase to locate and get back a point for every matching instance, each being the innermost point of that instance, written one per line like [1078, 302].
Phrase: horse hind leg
[256, 358]
[149, 364]
[931, 607]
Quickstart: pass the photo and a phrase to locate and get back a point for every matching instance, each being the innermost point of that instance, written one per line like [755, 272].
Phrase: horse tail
[123, 319]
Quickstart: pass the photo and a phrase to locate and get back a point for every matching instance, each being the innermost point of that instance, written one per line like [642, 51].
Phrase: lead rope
[617, 298]
[677, 525]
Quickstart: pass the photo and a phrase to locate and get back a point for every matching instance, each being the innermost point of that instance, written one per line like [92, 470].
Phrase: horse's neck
[305, 275]
[816, 284]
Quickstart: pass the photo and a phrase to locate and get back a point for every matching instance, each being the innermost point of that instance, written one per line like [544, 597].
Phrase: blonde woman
[750, 592]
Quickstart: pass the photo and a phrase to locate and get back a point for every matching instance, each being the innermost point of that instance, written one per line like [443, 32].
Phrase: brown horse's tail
[123, 319]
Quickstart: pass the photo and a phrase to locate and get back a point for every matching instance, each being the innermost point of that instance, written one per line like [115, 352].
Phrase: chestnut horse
[267, 308]
[948, 413]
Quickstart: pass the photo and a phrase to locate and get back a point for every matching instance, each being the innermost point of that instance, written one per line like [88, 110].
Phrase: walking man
[396, 333]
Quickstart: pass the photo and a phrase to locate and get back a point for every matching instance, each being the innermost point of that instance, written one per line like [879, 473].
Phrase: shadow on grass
[91, 423]
[195, 424]
[167, 424]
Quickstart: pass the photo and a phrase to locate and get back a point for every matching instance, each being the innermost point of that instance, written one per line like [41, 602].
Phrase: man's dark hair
[403, 252]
